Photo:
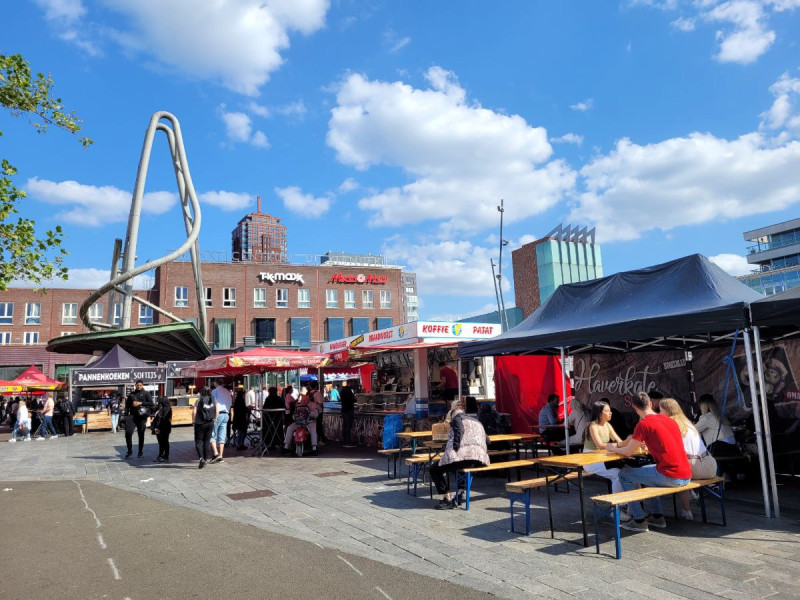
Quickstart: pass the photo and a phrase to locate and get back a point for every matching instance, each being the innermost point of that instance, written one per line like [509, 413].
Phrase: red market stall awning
[6, 387]
[33, 379]
[258, 360]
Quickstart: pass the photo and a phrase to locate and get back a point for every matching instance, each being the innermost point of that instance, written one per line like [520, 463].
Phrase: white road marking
[114, 569]
[349, 565]
[86, 504]
[382, 592]
[101, 542]
[146, 480]
[8, 489]
[320, 545]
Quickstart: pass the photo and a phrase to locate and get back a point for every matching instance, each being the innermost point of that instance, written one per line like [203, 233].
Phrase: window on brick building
[331, 298]
[117, 313]
[349, 298]
[229, 297]
[224, 333]
[386, 299]
[359, 325]
[69, 313]
[209, 297]
[383, 322]
[181, 296]
[367, 299]
[31, 337]
[335, 329]
[301, 332]
[5, 338]
[33, 313]
[303, 298]
[6, 313]
[145, 315]
[282, 298]
[260, 298]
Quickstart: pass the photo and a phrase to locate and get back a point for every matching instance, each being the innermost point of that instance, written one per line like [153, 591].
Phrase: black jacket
[348, 399]
[142, 396]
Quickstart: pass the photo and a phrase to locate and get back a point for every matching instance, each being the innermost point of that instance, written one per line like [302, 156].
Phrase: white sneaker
[40, 439]
[54, 436]
[27, 440]
[687, 514]
[12, 440]
[693, 496]
[624, 517]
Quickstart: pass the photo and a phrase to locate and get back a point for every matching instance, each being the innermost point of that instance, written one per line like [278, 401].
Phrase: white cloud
[749, 37]
[258, 109]
[686, 181]
[452, 268]
[305, 204]
[583, 106]
[93, 206]
[237, 43]
[733, 264]
[227, 201]
[784, 114]
[568, 138]
[348, 185]
[295, 109]
[65, 16]
[526, 239]
[239, 128]
[462, 158]
[88, 279]
[684, 24]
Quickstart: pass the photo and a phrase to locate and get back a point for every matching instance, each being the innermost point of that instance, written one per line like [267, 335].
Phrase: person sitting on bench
[466, 448]
[551, 427]
[661, 437]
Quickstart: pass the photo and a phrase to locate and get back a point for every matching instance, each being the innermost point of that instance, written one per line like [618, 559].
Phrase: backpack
[205, 410]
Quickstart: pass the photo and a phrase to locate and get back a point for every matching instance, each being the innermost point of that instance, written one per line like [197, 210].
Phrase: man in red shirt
[449, 381]
[659, 435]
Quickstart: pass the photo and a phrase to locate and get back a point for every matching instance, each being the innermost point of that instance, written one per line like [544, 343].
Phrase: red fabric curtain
[522, 384]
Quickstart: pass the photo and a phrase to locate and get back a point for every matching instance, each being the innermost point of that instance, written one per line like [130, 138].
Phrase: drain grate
[331, 474]
[251, 495]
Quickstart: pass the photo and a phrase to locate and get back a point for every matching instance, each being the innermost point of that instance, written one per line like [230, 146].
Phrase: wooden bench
[419, 462]
[392, 455]
[610, 503]
[466, 475]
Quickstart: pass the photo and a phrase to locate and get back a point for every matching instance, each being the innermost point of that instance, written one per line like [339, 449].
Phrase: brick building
[260, 237]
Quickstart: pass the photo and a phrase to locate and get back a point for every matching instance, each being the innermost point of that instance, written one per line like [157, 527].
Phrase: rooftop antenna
[503, 316]
[121, 279]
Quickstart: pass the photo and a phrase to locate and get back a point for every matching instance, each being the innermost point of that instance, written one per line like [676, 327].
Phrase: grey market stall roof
[686, 303]
[780, 313]
[173, 341]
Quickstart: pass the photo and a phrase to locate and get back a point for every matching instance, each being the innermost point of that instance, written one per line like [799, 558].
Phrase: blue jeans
[114, 421]
[17, 425]
[219, 434]
[648, 476]
[47, 424]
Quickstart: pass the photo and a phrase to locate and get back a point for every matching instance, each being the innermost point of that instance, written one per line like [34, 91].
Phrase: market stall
[114, 373]
[409, 362]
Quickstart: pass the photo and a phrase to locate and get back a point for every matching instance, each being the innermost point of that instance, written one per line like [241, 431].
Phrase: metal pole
[504, 319]
[497, 296]
[765, 417]
[564, 399]
[459, 381]
[757, 421]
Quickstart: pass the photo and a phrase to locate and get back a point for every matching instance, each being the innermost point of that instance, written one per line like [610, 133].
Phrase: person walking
[162, 428]
[138, 408]
[348, 400]
[114, 410]
[47, 419]
[223, 399]
[204, 413]
[67, 411]
[241, 416]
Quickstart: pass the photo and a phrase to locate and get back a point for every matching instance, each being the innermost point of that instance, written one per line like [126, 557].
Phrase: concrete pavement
[343, 502]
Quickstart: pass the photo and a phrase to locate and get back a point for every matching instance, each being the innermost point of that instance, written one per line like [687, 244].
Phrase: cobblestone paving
[362, 512]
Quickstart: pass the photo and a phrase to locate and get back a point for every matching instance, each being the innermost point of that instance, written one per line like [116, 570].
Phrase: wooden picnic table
[560, 466]
[411, 437]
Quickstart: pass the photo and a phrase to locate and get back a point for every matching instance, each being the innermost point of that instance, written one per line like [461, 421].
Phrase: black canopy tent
[685, 304]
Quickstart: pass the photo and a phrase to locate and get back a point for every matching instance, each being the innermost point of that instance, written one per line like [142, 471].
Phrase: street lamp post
[503, 316]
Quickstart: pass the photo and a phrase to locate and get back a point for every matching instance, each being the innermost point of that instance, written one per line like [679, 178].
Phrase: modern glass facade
[560, 261]
[775, 257]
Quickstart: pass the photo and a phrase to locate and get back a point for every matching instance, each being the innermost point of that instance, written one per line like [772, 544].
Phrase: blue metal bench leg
[617, 540]
[596, 529]
[721, 490]
[469, 488]
[703, 506]
[511, 497]
[527, 512]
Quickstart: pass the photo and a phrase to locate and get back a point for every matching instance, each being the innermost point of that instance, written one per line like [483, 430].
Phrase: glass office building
[775, 254]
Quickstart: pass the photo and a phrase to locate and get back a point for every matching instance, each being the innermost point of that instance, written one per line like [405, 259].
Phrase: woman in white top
[703, 464]
[23, 418]
[718, 438]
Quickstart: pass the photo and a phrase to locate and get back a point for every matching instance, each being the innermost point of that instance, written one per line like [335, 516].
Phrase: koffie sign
[118, 376]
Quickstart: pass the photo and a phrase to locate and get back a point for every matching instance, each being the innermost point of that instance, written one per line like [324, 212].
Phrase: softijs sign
[118, 376]
[275, 277]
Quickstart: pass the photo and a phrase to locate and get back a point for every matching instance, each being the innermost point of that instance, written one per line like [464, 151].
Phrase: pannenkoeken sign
[118, 376]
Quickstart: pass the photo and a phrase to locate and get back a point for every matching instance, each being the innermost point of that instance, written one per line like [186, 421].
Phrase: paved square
[361, 512]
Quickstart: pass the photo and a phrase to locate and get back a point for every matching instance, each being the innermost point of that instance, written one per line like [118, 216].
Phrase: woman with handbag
[138, 408]
[704, 466]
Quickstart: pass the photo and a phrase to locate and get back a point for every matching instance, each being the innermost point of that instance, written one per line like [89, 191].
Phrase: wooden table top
[410, 435]
[512, 437]
[579, 459]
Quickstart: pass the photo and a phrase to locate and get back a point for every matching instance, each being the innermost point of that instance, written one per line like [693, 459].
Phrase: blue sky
[396, 127]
